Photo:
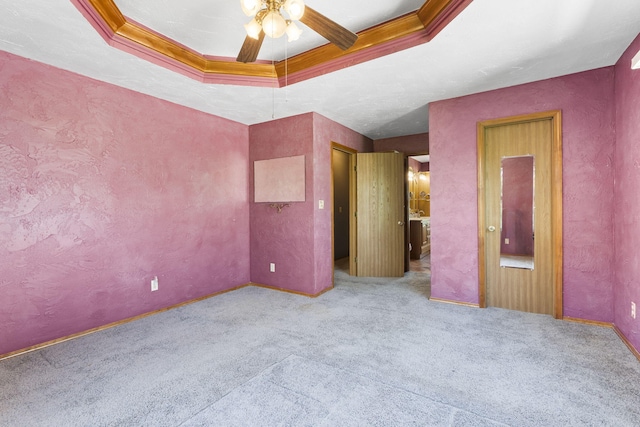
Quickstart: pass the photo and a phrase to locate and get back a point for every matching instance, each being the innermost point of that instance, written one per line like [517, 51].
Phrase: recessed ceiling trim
[110, 13]
[105, 19]
[142, 41]
[372, 43]
[434, 11]
[392, 36]
[136, 39]
[384, 39]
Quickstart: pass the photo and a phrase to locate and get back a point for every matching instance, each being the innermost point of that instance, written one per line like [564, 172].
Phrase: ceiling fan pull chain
[273, 89]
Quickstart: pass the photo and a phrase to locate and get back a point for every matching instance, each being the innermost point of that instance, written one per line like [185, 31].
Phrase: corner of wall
[111, 188]
[626, 197]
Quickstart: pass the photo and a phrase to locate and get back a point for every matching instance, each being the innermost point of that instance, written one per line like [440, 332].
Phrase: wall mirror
[517, 231]
[419, 185]
[413, 186]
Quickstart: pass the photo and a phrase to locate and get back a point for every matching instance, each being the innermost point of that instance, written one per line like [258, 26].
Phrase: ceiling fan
[268, 19]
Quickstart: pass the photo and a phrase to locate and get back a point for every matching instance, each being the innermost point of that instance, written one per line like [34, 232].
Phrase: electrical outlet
[272, 267]
[320, 204]
[633, 310]
[154, 284]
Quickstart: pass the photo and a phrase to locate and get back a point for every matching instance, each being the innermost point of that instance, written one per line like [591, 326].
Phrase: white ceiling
[215, 27]
[491, 44]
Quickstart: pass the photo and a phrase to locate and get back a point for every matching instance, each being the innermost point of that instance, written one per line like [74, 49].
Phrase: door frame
[407, 252]
[556, 201]
[352, 207]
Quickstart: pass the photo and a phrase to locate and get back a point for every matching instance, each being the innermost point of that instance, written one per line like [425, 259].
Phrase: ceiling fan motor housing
[267, 17]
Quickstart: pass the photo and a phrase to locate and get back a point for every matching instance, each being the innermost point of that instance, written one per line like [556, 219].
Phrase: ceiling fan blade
[250, 49]
[328, 29]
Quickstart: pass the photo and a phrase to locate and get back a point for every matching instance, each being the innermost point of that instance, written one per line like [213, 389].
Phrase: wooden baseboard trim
[588, 322]
[448, 301]
[182, 304]
[142, 316]
[275, 288]
[624, 339]
[113, 324]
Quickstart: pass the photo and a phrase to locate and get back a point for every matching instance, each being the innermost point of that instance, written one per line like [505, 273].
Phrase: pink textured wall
[101, 189]
[409, 144]
[414, 165]
[285, 238]
[297, 240]
[325, 132]
[587, 104]
[627, 204]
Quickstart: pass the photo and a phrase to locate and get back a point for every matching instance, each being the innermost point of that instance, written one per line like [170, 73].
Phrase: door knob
[400, 223]
[491, 228]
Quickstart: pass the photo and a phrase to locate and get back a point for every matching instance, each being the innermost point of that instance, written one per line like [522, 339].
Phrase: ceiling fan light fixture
[274, 24]
[293, 32]
[295, 9]
[250, 7]
[274, 18]
[253, 29]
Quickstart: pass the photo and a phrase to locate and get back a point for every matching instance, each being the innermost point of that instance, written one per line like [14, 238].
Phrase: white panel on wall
[279, 180]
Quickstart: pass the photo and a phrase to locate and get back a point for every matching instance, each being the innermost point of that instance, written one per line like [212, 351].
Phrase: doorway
[520, 213]
[418, 257]
[343, 187]
[376, 211]
[341, 204]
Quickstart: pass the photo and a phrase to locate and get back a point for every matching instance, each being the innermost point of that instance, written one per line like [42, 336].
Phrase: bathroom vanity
[420, 236]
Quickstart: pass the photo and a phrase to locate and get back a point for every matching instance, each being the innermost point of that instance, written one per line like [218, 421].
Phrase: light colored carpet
[371, 352]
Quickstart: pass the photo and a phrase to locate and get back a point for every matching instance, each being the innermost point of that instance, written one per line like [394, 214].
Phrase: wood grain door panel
[537, 290]
[380, 214]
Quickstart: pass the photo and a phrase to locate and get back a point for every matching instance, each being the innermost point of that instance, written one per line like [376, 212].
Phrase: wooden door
[380, 215]
[534, 285]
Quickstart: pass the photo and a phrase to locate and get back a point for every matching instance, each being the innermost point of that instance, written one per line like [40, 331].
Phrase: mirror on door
[518, 209]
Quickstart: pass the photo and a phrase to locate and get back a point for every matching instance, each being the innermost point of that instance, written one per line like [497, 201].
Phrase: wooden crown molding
[398, 34]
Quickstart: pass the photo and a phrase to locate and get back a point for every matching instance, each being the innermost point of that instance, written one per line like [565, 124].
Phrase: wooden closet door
[380, 214]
